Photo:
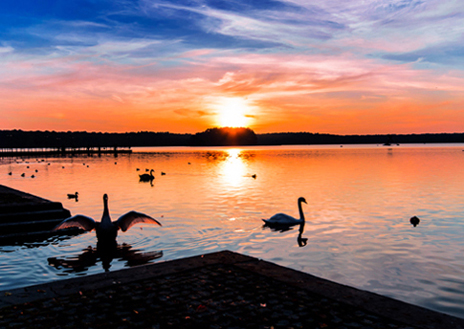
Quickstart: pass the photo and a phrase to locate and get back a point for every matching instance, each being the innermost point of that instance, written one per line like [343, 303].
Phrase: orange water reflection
[360, 201]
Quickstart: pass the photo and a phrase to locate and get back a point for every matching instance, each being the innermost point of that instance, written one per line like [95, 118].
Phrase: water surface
[360, 199]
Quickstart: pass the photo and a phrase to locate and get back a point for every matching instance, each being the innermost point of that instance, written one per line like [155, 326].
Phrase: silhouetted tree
[212, 136]
[224, 137]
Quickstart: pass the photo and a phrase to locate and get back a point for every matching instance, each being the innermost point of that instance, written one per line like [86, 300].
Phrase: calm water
[360, 199]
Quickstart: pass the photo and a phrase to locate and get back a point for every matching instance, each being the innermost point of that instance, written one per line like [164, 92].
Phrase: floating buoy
[414, 221]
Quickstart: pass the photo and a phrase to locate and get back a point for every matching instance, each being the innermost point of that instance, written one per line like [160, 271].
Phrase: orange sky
[358, 75]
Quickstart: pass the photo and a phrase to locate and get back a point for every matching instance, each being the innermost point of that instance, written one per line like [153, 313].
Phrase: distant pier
[57, 151]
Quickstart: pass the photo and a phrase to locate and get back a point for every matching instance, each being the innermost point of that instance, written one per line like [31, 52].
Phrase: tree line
[209, 137]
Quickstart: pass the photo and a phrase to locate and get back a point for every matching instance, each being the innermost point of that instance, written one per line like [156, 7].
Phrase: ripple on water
[357, 227]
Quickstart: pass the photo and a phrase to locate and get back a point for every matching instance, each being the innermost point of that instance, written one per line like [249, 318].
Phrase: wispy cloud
[333, 66]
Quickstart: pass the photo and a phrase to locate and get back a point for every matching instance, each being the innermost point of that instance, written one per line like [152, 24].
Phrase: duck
[106, 229]
[147, 177]
[281, 219]
[73, 196]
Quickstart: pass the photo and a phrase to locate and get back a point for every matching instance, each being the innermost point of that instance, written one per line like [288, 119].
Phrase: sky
[333, 66]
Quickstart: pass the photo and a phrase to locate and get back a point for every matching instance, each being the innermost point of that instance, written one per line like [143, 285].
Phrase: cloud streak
[333, 66]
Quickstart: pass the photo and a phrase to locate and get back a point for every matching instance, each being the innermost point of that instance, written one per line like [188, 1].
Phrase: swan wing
[80, 221]
[126, 221]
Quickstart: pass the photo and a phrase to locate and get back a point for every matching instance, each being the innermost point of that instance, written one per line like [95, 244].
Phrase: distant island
[210, 137]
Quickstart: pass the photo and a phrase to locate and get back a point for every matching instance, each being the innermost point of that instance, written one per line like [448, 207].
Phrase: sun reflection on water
[233, 168]
[360, 200]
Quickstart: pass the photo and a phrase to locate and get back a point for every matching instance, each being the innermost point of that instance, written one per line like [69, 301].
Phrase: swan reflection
[281, 228]
[301, 241]
[104, 253]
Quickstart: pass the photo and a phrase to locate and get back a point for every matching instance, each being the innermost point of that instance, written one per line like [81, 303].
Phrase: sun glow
[233, 169]
[233, 112]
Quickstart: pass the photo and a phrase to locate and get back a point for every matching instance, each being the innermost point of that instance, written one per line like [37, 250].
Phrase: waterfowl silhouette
[106, 229]
[147, 177]
[414, 221]
[286, 220]
[73, 196]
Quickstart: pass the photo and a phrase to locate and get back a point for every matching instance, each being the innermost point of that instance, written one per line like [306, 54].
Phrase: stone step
[34, 215]
[26, 215]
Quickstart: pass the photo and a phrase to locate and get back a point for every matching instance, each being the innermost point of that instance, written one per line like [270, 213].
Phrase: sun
[233, 111]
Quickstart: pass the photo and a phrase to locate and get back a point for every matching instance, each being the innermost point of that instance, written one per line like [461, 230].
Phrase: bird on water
[106, 229]
[281, 219]
[147, 177]
[73, 196]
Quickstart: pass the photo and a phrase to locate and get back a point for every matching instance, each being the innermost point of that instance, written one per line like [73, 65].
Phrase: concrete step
[33, 215]
[24, 215]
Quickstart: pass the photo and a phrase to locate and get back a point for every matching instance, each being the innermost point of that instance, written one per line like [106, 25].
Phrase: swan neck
[106, 212]
[300, 208]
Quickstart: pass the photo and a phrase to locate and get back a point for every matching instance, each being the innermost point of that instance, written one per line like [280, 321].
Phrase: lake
[360, 199]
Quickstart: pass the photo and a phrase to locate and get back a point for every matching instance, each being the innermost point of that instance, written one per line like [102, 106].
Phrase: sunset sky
[332, 66]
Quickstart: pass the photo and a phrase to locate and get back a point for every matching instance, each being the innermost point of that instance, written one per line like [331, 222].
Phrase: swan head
[105, 197]
[302, 200]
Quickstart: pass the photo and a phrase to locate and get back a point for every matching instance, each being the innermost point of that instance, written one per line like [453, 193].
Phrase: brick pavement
[219, 290]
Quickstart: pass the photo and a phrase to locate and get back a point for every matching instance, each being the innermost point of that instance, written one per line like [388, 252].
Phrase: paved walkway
[219, 290]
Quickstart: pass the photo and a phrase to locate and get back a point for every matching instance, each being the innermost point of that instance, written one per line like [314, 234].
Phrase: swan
[106, 229]
[73, 196]
[286, 220]
[147, 177]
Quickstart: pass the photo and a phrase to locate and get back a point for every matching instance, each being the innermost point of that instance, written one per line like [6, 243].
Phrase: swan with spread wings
[106, 229]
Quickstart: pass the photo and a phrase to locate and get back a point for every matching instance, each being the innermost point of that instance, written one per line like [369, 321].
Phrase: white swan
[106, 229]
[286, 220]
